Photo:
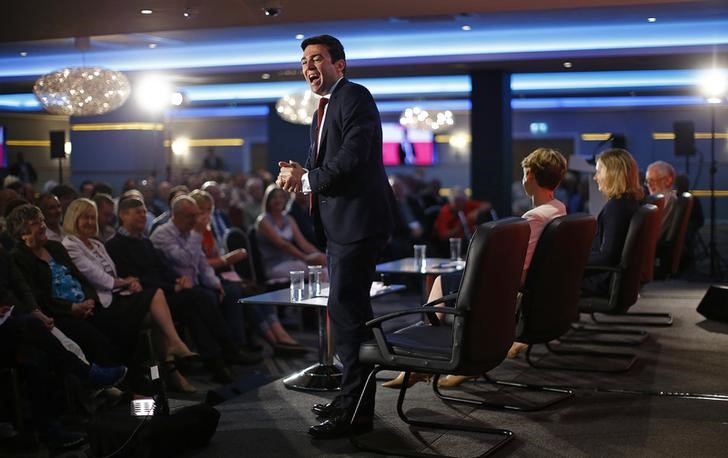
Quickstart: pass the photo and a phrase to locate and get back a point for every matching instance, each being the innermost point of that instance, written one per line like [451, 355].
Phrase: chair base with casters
[582, 333]
[628, 360]
[564, 394]
[665, 319]
[504, 434]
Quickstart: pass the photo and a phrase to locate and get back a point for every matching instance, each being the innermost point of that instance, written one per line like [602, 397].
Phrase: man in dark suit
[351, 203]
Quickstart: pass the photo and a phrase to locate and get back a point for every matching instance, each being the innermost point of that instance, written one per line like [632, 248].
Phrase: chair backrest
[487, 294]
[234, 239]
[625, 286]
[674, 240]
[255, 252]
[648, 266]
[553, 283]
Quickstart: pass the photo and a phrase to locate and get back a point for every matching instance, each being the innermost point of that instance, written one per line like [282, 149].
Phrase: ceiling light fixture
[23, 53]
[152, 45]
[82, 91]
[651, 19]
[299, 36]
[714, 85]
[466, 28]
[297, 108]
[418, 118]
[265, 76]
[146, 11]
[567, 64]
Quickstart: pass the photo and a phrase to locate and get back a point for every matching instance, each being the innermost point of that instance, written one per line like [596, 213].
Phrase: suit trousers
[351, 269]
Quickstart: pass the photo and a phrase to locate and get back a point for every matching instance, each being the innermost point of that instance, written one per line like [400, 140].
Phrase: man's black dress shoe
[340, 426]
[330, 409]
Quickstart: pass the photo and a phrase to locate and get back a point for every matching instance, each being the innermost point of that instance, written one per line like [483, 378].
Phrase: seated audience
[65, 194]
[254, 189]
[195, 306]
[61, 292]
[219, 221]
[28, 344]
[617, 177]
[51, 208]
[167, 214]
[125, 305]
[282, 246]
[86, 189]
[543, 170]
[299, 211]
[407, 230]
[659, 179]
[106, 220]
[458, 217]
[264, 317]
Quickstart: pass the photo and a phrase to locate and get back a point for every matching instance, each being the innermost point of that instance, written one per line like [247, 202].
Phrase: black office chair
[482, 328]
[234, 239]
[254, 253]
[669, 249]
[626, 277]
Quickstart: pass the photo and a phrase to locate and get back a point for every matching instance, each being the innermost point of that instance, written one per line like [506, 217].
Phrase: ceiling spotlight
[466, 28]
[567, 64]
[265, 76]
[299, 36]
[651, 19]
[152, 45]
[153, 93]
[181, 146]
[23, 53]
[272, 11]
[146, 11]
[177, 98]
[714, 85]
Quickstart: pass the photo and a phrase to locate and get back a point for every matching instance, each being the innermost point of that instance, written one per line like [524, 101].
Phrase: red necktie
[319, 118]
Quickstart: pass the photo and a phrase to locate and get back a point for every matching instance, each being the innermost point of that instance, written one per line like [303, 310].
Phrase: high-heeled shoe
[176, 381]
[182, 353]
[516, 349]
[452, 381]
[414, 377]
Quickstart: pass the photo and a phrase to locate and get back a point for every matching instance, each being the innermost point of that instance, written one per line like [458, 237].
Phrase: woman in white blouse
[126, 305]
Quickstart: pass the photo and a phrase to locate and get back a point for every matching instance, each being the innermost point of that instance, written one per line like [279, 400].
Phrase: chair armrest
[376, 322]
[434, 320]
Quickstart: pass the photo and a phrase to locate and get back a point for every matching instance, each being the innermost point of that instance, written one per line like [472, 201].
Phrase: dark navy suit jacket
[352, 197]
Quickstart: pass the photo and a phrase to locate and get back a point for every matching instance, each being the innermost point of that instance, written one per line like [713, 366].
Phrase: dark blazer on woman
[38, 275]
[612, 226]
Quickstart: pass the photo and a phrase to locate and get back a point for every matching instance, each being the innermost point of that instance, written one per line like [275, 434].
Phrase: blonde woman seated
[282, 246]
[543, 170]
[265, 318]
[125, 306]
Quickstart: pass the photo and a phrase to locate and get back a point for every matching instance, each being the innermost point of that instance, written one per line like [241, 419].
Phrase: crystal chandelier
[82, 91]
[297, 108]
[418, 118]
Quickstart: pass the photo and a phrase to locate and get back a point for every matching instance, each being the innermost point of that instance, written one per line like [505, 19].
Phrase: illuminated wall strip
[601, 137]
[698, 136]
[27, 143]
[118, 126]
[444, 138]
[706, 193]
[203, 142]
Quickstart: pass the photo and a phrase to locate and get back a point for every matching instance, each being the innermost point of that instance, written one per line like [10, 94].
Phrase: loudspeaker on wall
[684, 138]
[58, 141]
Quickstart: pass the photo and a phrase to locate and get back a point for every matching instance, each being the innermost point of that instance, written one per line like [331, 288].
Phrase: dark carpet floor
[689, 357]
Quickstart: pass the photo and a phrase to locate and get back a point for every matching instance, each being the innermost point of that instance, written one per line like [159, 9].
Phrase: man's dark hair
[84, 183]
[336, 49]
[176, 191]
[102, 188]
[63, 190]
[130, 202]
